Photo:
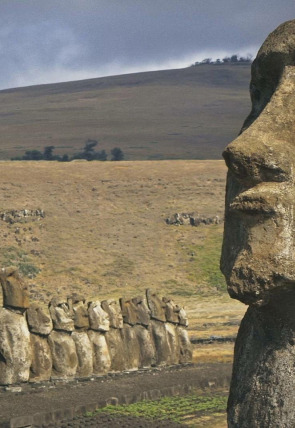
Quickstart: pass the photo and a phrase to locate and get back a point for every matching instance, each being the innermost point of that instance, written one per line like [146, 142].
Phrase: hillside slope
[190, 113]
[104, 232]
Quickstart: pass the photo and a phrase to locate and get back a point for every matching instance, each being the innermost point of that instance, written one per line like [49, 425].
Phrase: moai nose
[254, 160]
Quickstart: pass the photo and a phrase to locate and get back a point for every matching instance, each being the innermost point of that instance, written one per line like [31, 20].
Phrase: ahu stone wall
[74, 337]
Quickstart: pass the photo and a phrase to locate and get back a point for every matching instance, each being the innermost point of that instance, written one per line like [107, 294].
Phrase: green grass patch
[169, 408]
[12, 256]
[204, 258]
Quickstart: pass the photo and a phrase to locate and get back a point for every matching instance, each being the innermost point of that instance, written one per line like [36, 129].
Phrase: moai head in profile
[15, 291]
[98, 318]
[142, 310]
[258, 248]
[112, 308]
[61, 314]
[129, 311]
[171, 310]
[78, 307]
[156, 305]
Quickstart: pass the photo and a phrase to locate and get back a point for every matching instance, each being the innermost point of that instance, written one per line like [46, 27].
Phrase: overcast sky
[44, 41]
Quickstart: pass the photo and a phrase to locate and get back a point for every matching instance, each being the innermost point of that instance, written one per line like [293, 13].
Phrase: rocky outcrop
[75, 338]
[20, 216]
[258, 247]
[192, 219]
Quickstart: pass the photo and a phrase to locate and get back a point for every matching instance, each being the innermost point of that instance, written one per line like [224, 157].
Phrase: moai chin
[258, 248]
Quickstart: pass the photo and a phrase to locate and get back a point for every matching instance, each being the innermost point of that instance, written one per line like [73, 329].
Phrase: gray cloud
[53, 40]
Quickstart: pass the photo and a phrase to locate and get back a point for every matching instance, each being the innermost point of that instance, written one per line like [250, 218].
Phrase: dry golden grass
[105, 234]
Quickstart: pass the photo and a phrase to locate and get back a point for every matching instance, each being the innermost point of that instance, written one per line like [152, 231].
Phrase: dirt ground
[49, 403]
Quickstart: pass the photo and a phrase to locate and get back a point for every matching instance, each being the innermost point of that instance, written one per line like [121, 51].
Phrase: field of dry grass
[174, 114]
[104, 233]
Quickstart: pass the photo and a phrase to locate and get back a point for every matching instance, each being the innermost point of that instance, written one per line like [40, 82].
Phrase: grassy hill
[104, 232]
[190, 113]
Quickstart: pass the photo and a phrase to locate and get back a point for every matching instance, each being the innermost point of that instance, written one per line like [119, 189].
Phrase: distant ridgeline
[234, 59]
[74, 338]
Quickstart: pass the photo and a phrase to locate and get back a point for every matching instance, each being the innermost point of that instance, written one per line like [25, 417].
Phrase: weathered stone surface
[185, 347]
[116, 349]
[258, 248]
[113, 309]
[41, 358]
[131, 346]
[61, 314]
[129, 311]
[15, 350]
[156, 305]
[98, 318]
[64, 355]
[182, 316]
[84, 353]
[78, 307]
[171, 310]
[173, 340]
[146, 346]
[39, 320]
[160, 338]
[100, 352]
[142, 310]
[15, 291]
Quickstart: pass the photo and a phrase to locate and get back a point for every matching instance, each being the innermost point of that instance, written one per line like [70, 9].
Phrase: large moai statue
[158, 328]
[129, 336]
[40, 326]
[99, 326]
[15, 347]
[62, 345]
[258, 249]
[114, 335]
[79, 308]
[142, 330]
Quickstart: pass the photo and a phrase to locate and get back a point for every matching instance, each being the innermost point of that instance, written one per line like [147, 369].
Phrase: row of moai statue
[75, 338]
